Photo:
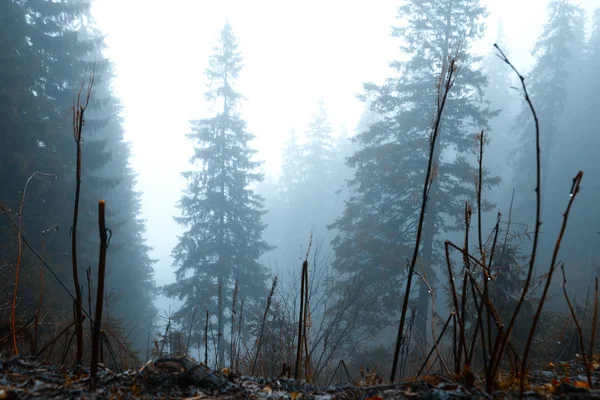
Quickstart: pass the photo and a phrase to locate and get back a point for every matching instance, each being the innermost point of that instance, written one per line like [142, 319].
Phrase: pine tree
[291, 237]
[583, 142]
[291, 169]
[377, 229]
[558, 52]
[306, 197]
[129, 259]
[318, 160]
[222, 215]
[559, 58]
[47, 49]
[311, 208]
[574, 148]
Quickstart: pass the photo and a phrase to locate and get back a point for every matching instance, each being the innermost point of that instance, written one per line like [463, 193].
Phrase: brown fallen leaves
[180, 377]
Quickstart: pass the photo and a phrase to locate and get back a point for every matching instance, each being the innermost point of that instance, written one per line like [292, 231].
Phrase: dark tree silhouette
[376, 231]
[221, 213]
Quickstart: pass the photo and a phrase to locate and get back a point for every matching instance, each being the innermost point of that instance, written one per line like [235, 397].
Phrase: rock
[201, 376]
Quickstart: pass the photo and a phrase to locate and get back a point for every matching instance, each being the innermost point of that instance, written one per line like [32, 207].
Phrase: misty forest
[451, 222]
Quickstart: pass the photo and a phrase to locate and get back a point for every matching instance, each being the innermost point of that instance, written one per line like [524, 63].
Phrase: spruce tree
[311, 208]
[47, 49]
[221, 213]
[290, 237]
[306, 196]
[552, 85]
[584, 140]
[114, 181]
[377, 229]
[574, 148]
[319, 159]
[558, 55]
[291, 169]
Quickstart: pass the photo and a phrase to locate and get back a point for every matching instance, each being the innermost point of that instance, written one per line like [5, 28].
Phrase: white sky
[294, 54]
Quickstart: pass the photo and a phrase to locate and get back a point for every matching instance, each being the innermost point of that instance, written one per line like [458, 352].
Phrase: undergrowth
[479, 338]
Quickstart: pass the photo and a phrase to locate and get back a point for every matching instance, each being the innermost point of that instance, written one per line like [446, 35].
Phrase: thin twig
[573, 194]
[482, 252]
[467, 265]
[447, 77]
[39, 309]
[206, 340]
[579, 331]
[461, 330]
[239, 337]
[264, 321]
[594, 322]
[433, 313]
[187, 346]
[19, 255]
[51, 342]
[99, 300]
[78, 122]
[43, 261]
[479, 184]
[89, 281]
[301, 320]
[497, 357]
[439, 339]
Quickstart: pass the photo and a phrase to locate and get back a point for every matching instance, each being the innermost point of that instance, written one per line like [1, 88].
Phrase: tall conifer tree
[558, 56]
[46, 50]
[221, 213]
[377, 230]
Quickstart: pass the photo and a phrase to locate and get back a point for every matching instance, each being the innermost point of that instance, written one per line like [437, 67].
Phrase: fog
[375, 146]
[294, 54]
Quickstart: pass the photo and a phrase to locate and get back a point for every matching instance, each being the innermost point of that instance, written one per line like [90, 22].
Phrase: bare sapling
[553, 265]
[301, 318]
[239, 344]
[445, 83]
[497, 356]
[187, 346]
[264, 321]
[594, 321]
[588, 371]
[461, 331]
[78, 121]
[206, 340]
[437, 343]
[463, 299]
[433, 314]
[13, 317]
[99, 297]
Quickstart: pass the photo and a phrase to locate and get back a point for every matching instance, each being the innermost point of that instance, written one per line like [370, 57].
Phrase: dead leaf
[581, 384]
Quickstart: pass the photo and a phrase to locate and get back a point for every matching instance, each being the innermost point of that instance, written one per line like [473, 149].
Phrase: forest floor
[181, 378]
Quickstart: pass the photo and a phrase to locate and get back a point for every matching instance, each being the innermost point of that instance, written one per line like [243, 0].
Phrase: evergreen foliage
[376, 231]
[46, 50]
[558, 55]
[306, 198]
[221, 213]
[559, 85]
